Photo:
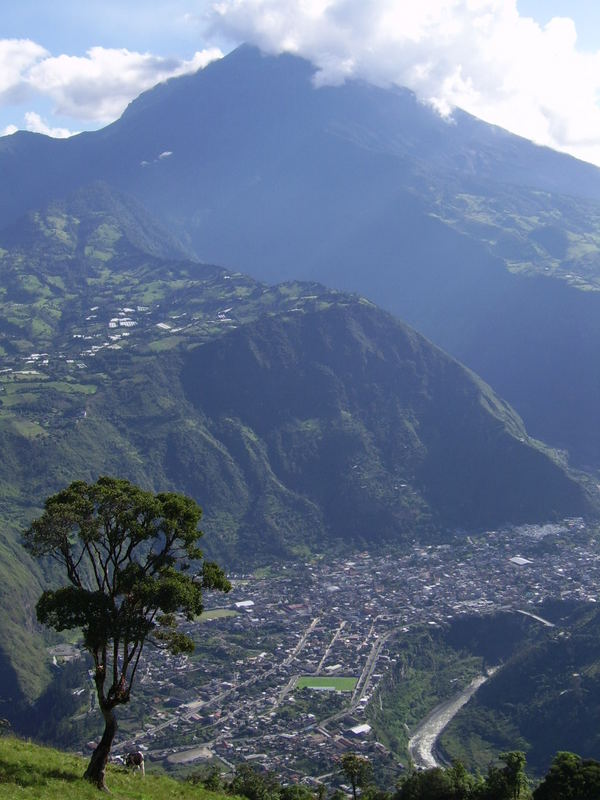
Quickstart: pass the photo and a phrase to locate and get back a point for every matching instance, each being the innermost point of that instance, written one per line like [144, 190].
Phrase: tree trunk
[96, 771]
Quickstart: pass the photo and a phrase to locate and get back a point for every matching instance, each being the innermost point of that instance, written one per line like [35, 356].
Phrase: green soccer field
[217, 613]
[317, 682]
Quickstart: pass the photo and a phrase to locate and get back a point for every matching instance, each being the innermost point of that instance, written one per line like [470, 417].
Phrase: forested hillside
[486, 243]
[301, 419]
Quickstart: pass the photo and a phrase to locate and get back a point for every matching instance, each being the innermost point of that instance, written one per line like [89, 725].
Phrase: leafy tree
[357, 769]
[570, 778]
[127, 555]
[514, 770]
[430, 784]
[373, 792]
[209, 777]
[321, 792]
[464, 785]
[253, 785]
[508, 782]
[453, 783]
[296, 791]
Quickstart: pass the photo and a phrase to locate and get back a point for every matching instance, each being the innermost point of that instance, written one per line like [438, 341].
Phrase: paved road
[371, 663]
[545, 622]
[191, 707]
[341, 627]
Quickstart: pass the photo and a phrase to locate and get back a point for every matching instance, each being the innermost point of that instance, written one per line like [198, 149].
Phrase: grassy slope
[40, 773]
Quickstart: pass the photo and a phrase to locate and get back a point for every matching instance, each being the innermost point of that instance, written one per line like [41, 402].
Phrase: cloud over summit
[100, 84]
[480, 55]
[95, 87]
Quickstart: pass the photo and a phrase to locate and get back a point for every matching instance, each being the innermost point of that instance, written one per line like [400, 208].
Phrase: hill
[382, 431]
[432, 664]
[544, 699]
[484, 242]
[300, 418]
[41, 773]
[288, 381]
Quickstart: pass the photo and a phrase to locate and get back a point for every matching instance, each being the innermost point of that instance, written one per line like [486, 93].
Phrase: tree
[128, 556]
[514, 770]
[570, 778]
[357, 769]
[296, 791]
[247, 782]
[430, 784]
[452, 783]
[509, 782]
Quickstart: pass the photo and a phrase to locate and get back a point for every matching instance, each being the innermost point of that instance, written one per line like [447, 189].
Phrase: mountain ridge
[487, 244]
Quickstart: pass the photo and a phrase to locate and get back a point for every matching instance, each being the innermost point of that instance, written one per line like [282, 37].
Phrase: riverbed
[421, 744]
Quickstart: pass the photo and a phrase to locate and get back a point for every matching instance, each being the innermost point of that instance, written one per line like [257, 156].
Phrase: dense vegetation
[30, 771]
[430, 665]
[544, 699]
[484, 242]
[426, 670]
[181, 376]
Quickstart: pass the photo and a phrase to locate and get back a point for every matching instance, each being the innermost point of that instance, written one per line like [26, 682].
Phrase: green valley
[305, 421]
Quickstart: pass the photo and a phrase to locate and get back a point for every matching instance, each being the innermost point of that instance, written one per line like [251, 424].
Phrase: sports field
[217, 613]
[327, 682]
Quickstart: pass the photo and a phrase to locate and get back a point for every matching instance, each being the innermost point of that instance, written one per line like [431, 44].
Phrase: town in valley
[288, 666]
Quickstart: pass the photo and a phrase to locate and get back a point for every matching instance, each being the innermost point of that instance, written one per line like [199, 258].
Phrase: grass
[345, 684]
[160, 345]
[217, 613]
[74, 388]
[27, 429]
[31, 772]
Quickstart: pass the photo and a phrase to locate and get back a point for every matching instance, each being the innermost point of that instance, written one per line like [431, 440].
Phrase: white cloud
[92, 88]
[480, 55]
[16, 57]
[99, 85]
[34, 123]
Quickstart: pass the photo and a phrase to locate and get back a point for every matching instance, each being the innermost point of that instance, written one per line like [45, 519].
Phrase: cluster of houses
[240, 697]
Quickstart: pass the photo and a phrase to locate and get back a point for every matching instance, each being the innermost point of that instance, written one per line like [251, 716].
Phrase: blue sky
[584, 13]
[73, 26]
[68, 66]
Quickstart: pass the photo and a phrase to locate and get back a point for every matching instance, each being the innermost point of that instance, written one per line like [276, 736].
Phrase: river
[422, 742]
